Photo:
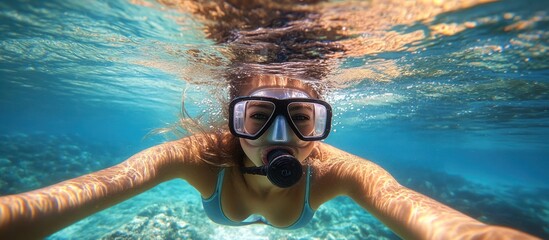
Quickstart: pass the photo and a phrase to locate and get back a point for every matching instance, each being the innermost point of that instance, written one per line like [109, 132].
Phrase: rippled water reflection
[456, 86]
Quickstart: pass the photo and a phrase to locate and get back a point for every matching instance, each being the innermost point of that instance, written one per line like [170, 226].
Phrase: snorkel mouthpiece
[283, 169]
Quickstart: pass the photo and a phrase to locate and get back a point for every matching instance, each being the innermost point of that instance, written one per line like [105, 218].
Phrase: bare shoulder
[199, 158]
[337, 172]
[334, 162]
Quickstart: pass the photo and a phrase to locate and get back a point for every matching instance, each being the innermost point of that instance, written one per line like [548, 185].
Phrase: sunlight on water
[451, 96]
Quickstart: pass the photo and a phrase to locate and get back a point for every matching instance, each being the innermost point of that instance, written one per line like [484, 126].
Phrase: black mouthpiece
[283, 169]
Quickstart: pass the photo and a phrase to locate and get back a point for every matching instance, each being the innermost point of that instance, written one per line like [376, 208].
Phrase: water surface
[452, 98]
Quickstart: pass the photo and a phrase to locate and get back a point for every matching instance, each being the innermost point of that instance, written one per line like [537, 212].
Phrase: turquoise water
[459, 114]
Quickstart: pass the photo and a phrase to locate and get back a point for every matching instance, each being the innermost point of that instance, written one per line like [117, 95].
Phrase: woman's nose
[279, 131]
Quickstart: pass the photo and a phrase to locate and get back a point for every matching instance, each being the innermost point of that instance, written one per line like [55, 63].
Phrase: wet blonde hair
[244, 86]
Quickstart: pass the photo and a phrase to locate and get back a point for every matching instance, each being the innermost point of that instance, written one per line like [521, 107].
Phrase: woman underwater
[268, 167]
[275, 124]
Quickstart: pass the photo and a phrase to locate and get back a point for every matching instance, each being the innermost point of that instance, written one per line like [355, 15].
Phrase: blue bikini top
[212, 207]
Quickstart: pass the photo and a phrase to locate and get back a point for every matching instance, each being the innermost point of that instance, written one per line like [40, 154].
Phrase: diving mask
[250, 117]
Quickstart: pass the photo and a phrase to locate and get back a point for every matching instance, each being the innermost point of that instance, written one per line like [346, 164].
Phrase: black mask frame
[281, 108]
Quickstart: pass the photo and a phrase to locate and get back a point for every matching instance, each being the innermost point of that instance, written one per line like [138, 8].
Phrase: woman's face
[279, 134]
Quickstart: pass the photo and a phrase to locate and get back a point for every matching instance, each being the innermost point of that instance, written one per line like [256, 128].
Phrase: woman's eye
[300, 117]
[259, 116]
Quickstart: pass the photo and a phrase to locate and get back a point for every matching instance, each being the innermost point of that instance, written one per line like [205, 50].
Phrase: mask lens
[251, 116]
[308, 118]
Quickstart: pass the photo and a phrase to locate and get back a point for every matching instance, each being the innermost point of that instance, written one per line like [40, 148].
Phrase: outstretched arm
[409, 214]
[41, 212]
